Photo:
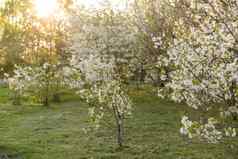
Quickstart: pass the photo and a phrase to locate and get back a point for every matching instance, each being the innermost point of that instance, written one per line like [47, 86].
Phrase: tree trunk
[46, 101]
[120, 126]
[56, 98]
[232, 101]
[16, 99]
[120, 131]
[46, 95]
[142, 74]
[56, 95]
[232, 90]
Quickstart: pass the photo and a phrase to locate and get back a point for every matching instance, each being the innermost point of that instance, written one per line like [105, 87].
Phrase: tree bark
[120, 126]
[46, 101]
[46, 95]
[120, 131]
[232, 101]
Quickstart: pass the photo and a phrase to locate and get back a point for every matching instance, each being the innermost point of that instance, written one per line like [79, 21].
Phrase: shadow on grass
[8, 153]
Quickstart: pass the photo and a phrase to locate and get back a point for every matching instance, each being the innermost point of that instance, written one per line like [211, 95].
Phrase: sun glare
[2, 3]
[46, 8]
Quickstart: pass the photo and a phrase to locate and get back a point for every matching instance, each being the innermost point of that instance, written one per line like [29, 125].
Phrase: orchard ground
[152, 132]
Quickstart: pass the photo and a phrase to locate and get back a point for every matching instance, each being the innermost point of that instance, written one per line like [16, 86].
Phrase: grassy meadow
[152, 132]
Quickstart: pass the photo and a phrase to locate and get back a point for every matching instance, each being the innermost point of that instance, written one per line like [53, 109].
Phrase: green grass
[4, 94]
[36, 132]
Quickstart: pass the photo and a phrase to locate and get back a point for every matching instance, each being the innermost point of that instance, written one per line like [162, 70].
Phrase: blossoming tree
[100, 46]
[38, 82]
[206, 65]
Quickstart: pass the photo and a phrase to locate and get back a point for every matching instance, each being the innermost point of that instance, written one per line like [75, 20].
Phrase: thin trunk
[120, 131]
[17, 99]
[46, 95]
[56, 95]
[46, 100]
[119, 123]
[142, 74]
[232, 101]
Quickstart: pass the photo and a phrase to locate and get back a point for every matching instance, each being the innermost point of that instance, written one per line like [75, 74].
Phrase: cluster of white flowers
[186, 126]
[230, 132]
[107, 95]
[206, 131]
[157, 42]
[105, 36]
[21, 80]
[93, 68]
[209, 132]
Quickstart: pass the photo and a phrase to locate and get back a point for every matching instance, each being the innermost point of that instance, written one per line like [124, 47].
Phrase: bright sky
[45, 8]
[2, 3]
[117, 4]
